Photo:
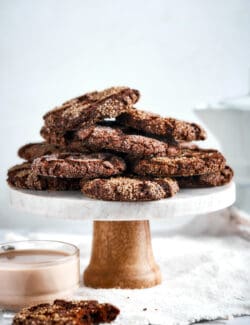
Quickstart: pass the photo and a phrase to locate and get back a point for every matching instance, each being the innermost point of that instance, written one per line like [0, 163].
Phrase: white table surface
[235, 321]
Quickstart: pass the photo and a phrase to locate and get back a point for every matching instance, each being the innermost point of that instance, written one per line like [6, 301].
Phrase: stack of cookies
[101, 144]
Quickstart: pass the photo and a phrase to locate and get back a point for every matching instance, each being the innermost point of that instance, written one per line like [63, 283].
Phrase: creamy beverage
[37, 274]
[34, 257]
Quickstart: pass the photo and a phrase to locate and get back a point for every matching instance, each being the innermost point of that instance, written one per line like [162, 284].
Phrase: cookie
[68, 138]
[130, 188]
[34, 150]
[188, 163]
[67, 313]
[161, 126]
[219, 178]
[92, 107]
[22, 177]
[73, 165]
[101, 137]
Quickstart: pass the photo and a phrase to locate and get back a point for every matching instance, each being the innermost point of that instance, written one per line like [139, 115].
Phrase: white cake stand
[122, 254]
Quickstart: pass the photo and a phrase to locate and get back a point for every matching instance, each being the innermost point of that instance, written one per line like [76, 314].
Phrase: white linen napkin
[205, 266]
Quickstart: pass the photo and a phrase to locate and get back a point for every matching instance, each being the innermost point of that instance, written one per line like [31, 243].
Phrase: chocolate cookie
[162, 126]
[22, 177]
[73, 165]
[33, 150]
[130, 188]
[188, 163]
[101, 137]
[67, 313]
[219, 178]
[91, 108]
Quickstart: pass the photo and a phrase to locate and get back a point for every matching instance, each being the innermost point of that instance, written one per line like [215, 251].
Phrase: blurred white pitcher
[229, 122]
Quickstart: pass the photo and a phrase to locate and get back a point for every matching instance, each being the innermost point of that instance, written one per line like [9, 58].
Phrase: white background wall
[178, 53]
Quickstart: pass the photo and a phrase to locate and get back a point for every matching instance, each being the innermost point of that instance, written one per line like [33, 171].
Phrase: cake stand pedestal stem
[122, 256]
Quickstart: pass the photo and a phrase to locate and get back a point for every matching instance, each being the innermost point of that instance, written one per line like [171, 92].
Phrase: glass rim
[70, 255]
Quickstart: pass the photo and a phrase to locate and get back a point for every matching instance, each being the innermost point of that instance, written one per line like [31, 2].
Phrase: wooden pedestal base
[122, 256]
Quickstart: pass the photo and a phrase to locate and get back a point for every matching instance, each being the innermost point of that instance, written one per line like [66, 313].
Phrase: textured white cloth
[205, 266]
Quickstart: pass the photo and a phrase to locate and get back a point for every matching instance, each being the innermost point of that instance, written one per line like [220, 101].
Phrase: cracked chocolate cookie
[98, 137]
[219, 178]
[73, 165]
[162, 126]
[188, 163]
[22, 177]
[92, 107]
[31, 151]
[101, 137]
[62, 312]
[130, 188]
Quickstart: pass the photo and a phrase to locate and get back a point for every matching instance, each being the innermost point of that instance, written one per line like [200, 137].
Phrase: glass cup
[37, 271]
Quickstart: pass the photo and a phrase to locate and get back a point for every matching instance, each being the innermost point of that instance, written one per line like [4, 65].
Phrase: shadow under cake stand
[122, 255]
